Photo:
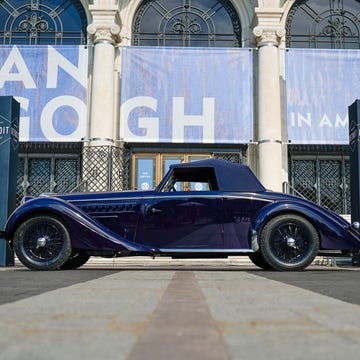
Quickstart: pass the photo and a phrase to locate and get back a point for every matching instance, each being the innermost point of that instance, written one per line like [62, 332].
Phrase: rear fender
[85, 232]
[334, 231]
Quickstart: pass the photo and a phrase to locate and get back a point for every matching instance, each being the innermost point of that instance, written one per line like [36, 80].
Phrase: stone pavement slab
[177, 312]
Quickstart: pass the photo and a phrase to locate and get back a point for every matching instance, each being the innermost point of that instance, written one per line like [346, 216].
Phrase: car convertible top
[228, 176]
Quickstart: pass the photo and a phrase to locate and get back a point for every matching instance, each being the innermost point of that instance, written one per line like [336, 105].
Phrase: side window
[187, 179]
[178, 185]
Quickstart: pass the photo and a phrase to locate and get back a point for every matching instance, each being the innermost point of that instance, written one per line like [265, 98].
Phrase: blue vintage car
[208, 208]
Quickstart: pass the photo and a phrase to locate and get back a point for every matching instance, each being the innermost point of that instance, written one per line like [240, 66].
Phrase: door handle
[156, 211]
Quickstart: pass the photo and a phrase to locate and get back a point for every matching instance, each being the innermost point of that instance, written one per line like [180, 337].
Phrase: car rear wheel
[42, 243]
[76, 260]
[289, 242]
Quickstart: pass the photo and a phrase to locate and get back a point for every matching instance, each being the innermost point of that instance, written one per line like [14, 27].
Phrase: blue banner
[320, 85]
[50, 82]
[186, 95]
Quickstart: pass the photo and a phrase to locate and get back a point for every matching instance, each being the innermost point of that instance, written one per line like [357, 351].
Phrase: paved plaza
[199, 310]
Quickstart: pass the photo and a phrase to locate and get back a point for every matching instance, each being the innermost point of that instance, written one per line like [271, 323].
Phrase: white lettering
[4, 130]
[22, 75]
[340, 122]
[150, 124]
[47, 114]
[301, 119]
[292, 119]
[206, 120]
[24, 121]
[325, 121]
[56, 60]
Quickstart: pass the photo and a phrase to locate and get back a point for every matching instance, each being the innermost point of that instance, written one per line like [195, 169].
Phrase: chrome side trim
[106, 199]
[131, 199]
[202, 251]
[105, 216]
[225, 196]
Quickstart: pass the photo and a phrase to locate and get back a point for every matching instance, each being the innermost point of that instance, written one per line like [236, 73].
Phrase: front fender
[333, 230]
[85, 232]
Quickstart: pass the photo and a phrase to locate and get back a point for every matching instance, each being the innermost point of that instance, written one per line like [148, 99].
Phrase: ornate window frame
[336, 27]
[34, 22]
[181, 21]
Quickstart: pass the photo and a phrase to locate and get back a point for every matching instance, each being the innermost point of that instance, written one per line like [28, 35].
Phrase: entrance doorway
[149, 168]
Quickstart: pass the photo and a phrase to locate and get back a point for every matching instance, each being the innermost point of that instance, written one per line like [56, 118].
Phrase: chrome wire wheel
[42, 243]
[289, 242]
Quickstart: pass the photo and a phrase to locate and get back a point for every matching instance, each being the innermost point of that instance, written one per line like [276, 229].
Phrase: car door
[238, 210]
[182, 220]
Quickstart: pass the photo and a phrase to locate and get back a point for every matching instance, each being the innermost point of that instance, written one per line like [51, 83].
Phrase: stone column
[268, 35]
[97, 159]
[104, 32]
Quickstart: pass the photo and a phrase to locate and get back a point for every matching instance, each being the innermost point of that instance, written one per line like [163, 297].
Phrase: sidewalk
[231, 261]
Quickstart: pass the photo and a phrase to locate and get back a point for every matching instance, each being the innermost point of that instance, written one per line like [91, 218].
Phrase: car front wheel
[42, 243]
[289, 242]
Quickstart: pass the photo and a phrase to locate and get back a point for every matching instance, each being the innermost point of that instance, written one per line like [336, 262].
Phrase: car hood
[100, 196]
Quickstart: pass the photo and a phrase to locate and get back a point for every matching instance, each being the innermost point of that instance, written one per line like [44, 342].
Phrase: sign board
[186, 95]
[354, 141]
[50, 83]
[9, 142]
[320, 85]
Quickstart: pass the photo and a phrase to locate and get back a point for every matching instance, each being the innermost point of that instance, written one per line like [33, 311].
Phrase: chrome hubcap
[290, 242]
[41, 242]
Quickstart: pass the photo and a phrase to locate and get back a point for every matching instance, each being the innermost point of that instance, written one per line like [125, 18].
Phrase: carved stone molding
[104, 32]
[106, 24]
[269, 30]
[268, 36]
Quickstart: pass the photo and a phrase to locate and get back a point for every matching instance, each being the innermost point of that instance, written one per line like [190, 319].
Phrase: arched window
[37, 22]
[330, 24]
[194, 23]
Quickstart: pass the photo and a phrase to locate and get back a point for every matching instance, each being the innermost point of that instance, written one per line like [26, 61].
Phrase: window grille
[324, 180]
[42, 22]
[106, 168]
[194, 23]
[235, 157]
[39, 173]
[330, 24]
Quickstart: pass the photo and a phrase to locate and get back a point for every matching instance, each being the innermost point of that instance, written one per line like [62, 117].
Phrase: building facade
[280, 143]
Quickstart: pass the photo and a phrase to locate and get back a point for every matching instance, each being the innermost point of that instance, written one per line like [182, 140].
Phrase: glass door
[145, 172]
[149, 169]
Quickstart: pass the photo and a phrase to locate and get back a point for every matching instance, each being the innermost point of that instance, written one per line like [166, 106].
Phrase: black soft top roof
[229, 176]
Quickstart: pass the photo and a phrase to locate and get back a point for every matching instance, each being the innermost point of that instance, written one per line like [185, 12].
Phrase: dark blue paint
[158, 222]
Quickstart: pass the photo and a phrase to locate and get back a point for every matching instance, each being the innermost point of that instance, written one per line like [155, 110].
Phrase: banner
[186, 95]
[50, 83]
[320, 86]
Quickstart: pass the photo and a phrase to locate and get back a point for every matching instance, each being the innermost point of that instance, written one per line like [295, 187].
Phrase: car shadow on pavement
[21, 283]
